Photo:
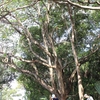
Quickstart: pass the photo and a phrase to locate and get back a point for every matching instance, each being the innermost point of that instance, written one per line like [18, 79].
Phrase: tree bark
[77, 64]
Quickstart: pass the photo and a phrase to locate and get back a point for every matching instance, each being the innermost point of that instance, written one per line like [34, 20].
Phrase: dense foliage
[56, 48]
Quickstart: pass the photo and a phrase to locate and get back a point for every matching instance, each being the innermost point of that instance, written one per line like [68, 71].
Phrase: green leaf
[97, 86]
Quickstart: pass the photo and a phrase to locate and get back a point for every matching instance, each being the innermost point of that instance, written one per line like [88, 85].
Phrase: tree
[14, 91]
[54, 43]
[33, 89]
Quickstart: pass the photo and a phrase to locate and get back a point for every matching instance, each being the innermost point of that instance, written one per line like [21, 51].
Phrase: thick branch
[36, 55]
[9, 12]
[80, 86]
[29, 37]
[32, 75]
[36, 43]
[88, 2]
[83, 7]
[78, 5]
[29, 61]
[82, 61]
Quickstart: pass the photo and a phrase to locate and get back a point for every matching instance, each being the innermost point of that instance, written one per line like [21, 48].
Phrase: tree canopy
[55, 45]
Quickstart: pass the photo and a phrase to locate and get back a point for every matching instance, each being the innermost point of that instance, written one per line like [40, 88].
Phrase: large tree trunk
[80, 86]
[60, 88]
[72, 37]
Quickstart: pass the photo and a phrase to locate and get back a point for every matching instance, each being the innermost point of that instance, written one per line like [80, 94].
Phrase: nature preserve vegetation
[54, 45]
